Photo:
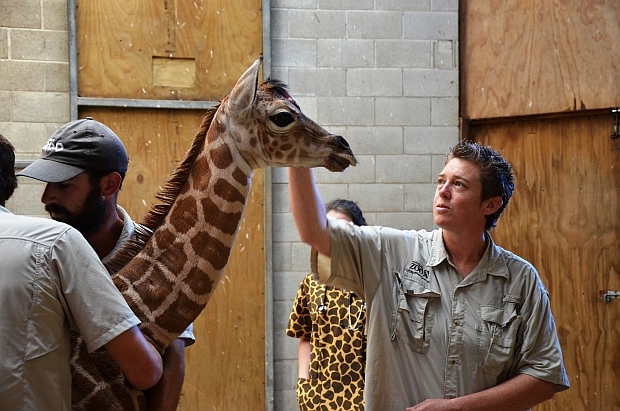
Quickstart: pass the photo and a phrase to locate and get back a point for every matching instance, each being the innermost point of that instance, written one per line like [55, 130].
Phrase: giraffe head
[270, 129]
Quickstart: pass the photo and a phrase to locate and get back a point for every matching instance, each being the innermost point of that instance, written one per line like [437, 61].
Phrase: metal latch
[608, 295]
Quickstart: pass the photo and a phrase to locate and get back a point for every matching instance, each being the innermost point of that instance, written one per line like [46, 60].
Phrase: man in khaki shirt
[454, 321]
[51, 280]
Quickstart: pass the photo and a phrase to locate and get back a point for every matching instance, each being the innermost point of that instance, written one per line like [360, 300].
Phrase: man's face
[458, 201]
[75, 202]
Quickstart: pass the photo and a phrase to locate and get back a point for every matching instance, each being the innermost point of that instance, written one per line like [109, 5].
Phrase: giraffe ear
[243, 94]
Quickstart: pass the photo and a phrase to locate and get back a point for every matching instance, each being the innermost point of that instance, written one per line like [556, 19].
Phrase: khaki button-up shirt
[433, 334]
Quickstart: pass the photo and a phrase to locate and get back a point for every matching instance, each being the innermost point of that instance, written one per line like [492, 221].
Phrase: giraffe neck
[171, 280]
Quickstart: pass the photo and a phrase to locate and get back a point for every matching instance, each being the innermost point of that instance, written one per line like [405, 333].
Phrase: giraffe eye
[282, 119]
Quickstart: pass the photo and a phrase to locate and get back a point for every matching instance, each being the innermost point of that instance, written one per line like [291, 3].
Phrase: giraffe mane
[166, 195]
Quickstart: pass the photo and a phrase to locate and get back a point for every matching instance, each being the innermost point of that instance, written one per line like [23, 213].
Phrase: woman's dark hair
[495, 173]
[349, 208]
[8, 179]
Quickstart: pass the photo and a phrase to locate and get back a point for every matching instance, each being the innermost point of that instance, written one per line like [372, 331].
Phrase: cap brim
[50, 171]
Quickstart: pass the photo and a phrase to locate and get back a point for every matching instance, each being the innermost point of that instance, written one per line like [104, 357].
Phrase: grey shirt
[51, 280]
[434, 334]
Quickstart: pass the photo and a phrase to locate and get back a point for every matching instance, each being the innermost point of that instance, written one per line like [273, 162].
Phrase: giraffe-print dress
[333, 321]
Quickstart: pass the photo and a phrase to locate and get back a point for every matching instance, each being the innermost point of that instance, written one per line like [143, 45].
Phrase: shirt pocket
[497, 336]
[414, 319]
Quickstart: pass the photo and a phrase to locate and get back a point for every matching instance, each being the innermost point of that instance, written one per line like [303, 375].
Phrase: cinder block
[294, 52]
[347, 4]
[332, 191]
[444, 56]
[379, 197]
[318, 24]
[445, 5]
[419, 197]
[375, 140]
[364, 172]
[280, 24]
[56, 77]
[279, 175]
[374, 82]
[286, 283]
[21, 13]
[27, 138]
[279, 198]
[346, 111]
[309, 106]
[27, 198]
[284, 228]
[300, 256]
[6, 98]
[318, 81]
[430, 140]
[403, 111]
[431, 25]
[40, 107]
[289, 371]
[438, 162]
[21, 75]
[281, 313]
[55, 15]
[41, 45]
[404, 53]
[294, 4]
[374, 25]
[445, 111]
[281, 255]
[403, 169]
[346, 53]
[404, 5]
[286, 400]
[4, 43]
[407, 221]
[284, 347]
[280, 73]
[430, 83]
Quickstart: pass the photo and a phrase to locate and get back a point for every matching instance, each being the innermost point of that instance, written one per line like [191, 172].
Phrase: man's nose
[48, 194]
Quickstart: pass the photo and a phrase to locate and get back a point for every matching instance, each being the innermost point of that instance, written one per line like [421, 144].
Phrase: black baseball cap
[77, 146]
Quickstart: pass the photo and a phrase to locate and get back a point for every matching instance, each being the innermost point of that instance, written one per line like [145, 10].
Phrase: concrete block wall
[34, 84]
[383, 74]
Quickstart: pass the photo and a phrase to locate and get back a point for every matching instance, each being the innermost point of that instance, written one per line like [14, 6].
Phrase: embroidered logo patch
[509, 298]
[51, 146]
[418, 269]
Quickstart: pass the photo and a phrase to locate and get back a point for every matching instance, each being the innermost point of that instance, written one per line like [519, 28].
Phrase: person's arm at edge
[303, 358]
[308, 210]
[517, 394]
[165, 395]
[136, 357]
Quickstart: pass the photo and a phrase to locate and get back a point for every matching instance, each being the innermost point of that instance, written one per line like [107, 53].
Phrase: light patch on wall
[174, 72]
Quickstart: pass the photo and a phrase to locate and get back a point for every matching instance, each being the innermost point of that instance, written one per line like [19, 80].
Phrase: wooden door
[138, 50]
[564, 218]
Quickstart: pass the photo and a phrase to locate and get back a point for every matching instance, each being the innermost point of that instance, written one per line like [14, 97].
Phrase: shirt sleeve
[188, 335]
[93, 304]
[300, 321]
[540, 355]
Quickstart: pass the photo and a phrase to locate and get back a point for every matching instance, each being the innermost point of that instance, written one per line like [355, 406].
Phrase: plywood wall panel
[123, 42]
[225, 368]
[564, 218]
[528, 57]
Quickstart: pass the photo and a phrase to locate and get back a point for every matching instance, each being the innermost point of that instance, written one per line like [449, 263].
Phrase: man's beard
[88, 218]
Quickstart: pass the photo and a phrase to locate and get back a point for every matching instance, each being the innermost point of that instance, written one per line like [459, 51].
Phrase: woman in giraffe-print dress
[332, 347]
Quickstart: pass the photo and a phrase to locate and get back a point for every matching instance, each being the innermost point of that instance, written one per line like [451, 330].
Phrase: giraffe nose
[342, 142]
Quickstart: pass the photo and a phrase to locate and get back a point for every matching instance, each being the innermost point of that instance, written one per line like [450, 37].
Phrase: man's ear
[492, 204]
[110, 184]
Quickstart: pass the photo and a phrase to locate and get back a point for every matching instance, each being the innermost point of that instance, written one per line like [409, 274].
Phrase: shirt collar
[491, 263]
